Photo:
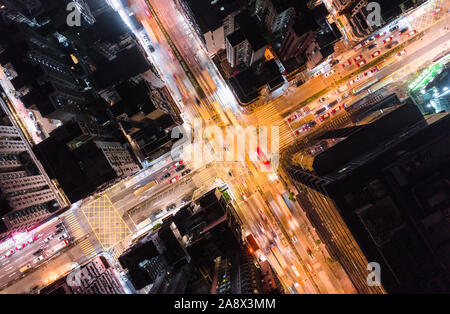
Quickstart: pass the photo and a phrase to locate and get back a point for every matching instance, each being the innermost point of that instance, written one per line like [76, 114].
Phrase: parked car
[173, 180]
[38, 252]
[177, 164]
[59, 231]
[38, 259]
[299, 82]
[391, 44]
[65, 235]
[357, 58]
[186, 172]
[329, 73]
[324, 117]
[401, 53]
[403, 30]
[171, 207]
[371, 46]
[166, 176]
[385, 41]
[393, 29]
[320, 111]
[61, 224]
[411, 33]
[186, 199]
[180, 168]
[360, 63]
[376, 53]
[323, 99]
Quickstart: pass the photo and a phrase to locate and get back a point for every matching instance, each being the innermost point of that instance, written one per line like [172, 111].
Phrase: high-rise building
[213, 21]
[245, 46]
[43, 77]
[95, 277]
[376, 193]
[27, 191]
[83, 156]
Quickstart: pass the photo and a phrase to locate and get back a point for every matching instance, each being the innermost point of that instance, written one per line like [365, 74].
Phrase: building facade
[28, 197]
[368, 199]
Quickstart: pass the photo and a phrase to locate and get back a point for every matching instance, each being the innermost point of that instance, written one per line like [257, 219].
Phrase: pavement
[280, 227]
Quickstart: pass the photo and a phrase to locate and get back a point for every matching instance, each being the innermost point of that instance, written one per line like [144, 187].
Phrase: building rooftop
[336, 147]
[209, 14]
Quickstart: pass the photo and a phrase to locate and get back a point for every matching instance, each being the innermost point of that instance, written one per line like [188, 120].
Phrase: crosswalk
[87, 248]
[73, 225]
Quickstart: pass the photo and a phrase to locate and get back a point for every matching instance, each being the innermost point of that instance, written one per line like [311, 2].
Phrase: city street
[261, 198]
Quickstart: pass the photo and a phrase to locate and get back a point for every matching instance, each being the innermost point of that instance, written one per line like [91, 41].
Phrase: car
[166, 176]
[333, 103]
[33, 289]
[329, 73]
[260, 228]
[186, 172]
[411, 33]
[360, 45]
[355, 80]
[401, 53]
[326, 116]
[171, 207]
[49, 238]
[403, 30]
[299, 82]
[334, 62]
[186, 199]
[310, 253]
[349, 62]
[59, 231]
[342, 88]
[376, 53]
[65, 235]
[393, 29]
[173, 180]
[320, 111]
[357, 58]
[38, 252]
[32, 116]
[61, 224]
[436, 11]
[361, 63]
[371, 46]
[346, 95]
[38, 259]
[21, 246]
[178, 163]
[316, 74]
[323, 99]
[293, 117]
[8, 253]
[309, 267]
[391, 44]
[371, 71]
[180, 168]
[336, 110]
[380, 34]
[244, 197]
[385, 41]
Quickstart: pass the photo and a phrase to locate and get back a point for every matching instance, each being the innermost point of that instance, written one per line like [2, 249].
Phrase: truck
[25, 268]
[303, 121]
[252, 243]
[144, 188]
[208, 80]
